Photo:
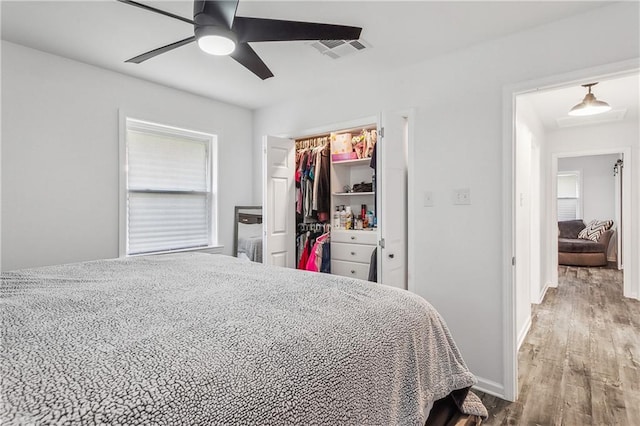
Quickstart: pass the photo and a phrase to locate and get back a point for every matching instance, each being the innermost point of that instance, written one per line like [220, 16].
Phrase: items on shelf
[362, 187]
[346, 146]
[345, 219]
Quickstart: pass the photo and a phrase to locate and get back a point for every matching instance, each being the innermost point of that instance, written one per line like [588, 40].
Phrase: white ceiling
[621, 93]
[106, 33]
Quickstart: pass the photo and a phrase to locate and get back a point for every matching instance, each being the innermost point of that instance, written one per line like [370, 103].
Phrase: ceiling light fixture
[215, 41]
[589, 105]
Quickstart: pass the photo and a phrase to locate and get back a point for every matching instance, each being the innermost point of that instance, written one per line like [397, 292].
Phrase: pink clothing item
[315, 258]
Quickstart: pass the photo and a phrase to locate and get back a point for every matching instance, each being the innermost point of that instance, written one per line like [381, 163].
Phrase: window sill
[208, 250]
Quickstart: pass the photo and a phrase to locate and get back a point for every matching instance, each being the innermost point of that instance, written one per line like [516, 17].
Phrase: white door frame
[510, 364]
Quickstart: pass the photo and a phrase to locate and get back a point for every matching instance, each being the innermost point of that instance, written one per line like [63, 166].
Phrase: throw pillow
[595, 229]
[570, 228]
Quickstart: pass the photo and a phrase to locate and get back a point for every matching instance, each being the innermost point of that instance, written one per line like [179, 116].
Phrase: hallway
[580, 362]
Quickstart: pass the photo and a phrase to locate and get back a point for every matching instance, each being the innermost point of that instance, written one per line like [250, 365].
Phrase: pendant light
[589, 105]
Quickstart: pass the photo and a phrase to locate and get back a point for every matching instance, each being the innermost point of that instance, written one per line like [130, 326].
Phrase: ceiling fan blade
[160, 50]
[215, 12]
[153, 9]
[246, 56]
[258, 29]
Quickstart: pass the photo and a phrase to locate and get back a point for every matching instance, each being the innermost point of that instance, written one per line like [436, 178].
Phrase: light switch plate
[462, 196]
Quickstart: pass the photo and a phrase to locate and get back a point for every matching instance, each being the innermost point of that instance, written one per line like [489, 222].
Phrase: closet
[334, 181]
[367, 176]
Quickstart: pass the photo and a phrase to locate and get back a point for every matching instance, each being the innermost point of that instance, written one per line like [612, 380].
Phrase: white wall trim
[490, 387]
[542, 295]
[508, 185]
[523, 332]
[552, 227]
[122, 183]
[509, 389]
[335, 127]
[411, 216]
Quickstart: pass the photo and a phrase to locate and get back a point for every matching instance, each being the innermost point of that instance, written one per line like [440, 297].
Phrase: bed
[248, 233]
[250, 242]
[195, 338]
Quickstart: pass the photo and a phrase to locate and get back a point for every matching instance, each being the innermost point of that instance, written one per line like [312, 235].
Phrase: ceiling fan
[218, 31]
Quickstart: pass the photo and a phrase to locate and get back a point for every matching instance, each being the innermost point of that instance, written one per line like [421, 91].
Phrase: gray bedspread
[252, 247]
[209, 339]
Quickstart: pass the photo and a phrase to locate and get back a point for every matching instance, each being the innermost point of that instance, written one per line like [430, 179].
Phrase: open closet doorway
[572, 175]
[366, 228]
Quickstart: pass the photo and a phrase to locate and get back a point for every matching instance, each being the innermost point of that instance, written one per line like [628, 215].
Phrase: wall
[598, 184]
[458, 143]
[60, 154]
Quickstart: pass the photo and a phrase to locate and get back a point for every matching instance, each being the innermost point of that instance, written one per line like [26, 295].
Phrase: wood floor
[580, 362]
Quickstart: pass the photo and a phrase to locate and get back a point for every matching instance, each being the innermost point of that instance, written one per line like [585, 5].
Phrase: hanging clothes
[300, 158]
[373, 266]
[301, 241]
[323, 194]
[313, 185]
[308, 186]
[325, 266]
[315, 257]
[304, 257]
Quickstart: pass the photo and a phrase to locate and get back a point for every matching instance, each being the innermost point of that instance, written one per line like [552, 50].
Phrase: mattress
[250, 241]
[208, 339]
[251, 248]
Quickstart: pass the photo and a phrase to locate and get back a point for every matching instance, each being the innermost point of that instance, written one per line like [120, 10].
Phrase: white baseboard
[523, 333]
[490, 387]
[543, 293]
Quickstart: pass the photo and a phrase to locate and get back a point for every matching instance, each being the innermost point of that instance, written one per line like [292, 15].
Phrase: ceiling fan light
[216, 45]
[589, 105]
[215, 41]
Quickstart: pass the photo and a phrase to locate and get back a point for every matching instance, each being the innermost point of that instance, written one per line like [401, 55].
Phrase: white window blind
[567, 209]
[169, 189]
[568, 196]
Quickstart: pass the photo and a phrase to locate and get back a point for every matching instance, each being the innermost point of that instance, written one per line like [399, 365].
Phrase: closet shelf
[353, 162]
[346, 194]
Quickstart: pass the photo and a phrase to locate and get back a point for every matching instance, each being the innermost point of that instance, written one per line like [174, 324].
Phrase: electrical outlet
[462, 196]
[428, 199]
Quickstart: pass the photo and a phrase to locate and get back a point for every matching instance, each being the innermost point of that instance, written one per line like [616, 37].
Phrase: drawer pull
[353, 271]
[391, 256]
[353, 237]
[353, 253]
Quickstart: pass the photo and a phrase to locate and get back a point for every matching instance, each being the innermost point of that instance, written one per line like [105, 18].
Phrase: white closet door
[278, 201]
[391, 182]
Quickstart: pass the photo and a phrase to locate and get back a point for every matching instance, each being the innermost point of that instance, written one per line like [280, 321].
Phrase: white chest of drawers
[351, 252]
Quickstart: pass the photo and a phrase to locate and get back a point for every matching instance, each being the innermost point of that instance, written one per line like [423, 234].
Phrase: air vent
[330, 44]
[607, 117]
[339, 48]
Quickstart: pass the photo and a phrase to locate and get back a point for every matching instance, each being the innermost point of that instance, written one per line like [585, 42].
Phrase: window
[569, 206]
[170, 189]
